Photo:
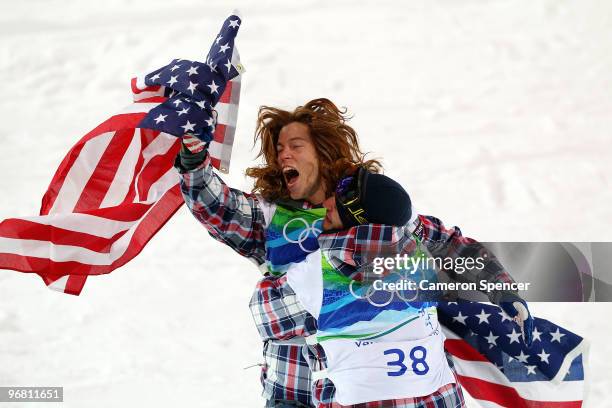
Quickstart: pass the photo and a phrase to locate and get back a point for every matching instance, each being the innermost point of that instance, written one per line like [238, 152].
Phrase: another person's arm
[445, 242]
[449, 242]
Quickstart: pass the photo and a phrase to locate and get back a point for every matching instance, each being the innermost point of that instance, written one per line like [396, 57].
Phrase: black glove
[188, 160]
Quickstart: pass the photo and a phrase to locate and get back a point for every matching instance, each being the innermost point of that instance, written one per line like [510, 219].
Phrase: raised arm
[230, 215]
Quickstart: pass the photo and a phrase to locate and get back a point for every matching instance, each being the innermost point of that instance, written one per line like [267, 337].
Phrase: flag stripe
[159, 187]
[79, 173]
[147, 136]
[165, 150]
[530, 390]
[68, 253]
[99, 222]
[65, 253]
[74, 285]
[507, 396]
[485, 382]
[217, 163]
[137, 91]
[17, 229]
[120, 121]
[105, 171]
[122, 180]
[458, 349]
[138, 238]
[71, 284]
[226, 96]
[219, 135]
[225, 114]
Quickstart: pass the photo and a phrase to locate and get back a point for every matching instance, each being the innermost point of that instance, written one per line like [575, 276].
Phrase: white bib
[407, 361]
[365, 371]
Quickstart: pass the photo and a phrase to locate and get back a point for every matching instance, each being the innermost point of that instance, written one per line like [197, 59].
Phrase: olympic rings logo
[304, 233]
[383, 297]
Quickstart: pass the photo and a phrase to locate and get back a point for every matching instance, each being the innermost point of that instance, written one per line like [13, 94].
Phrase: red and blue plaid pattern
[230, 216]
[236, 219]
[285, 375]
[277, 312]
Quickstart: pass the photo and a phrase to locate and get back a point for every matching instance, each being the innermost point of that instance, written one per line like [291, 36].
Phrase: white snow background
[495, 115]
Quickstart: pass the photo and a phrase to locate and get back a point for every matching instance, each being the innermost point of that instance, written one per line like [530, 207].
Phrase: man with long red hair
[305, 153]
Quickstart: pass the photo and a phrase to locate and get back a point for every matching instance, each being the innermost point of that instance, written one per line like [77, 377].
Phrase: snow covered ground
[496, 116]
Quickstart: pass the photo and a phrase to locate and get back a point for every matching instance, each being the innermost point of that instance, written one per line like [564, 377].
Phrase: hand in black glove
[516, 308]
[191, 158]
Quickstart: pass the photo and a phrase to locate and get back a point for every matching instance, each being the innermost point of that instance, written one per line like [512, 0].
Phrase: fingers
[521, 309]
[526, 322]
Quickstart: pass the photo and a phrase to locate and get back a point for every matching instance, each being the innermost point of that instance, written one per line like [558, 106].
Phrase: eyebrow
[302, 138]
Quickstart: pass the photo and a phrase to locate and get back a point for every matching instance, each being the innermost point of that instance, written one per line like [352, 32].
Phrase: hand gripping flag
[496, 368]
[117, 186]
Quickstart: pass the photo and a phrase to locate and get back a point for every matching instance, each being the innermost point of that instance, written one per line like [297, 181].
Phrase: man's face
[297, 158]
[332, 218]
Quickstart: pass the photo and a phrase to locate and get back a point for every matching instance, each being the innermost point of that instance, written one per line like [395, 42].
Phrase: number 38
[419, 365]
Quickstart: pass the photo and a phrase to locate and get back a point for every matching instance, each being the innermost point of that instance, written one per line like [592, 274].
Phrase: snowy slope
[495, 115]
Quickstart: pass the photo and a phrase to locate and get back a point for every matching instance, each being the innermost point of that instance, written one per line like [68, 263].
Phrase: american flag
[117, 186]
[498, 370]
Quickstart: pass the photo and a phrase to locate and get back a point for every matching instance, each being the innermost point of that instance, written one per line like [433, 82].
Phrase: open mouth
[291, 175]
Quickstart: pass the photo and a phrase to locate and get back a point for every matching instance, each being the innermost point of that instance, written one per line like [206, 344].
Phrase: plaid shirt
[236, 219]
[230, 215]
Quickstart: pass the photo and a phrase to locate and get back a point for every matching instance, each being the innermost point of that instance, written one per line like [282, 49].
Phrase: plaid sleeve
[279, 315]
[277, 312]
[230, 215]
[449, 242]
